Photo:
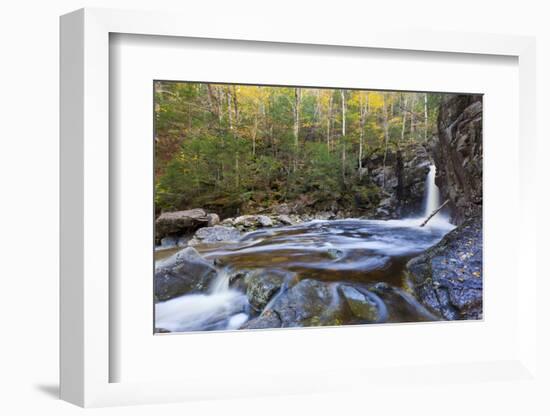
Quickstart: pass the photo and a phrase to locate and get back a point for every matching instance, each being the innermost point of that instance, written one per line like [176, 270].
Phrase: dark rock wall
[402, 180]
[447, 278]
[457, 152]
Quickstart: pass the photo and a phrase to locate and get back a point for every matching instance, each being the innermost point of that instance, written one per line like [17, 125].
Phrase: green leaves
[228, 146]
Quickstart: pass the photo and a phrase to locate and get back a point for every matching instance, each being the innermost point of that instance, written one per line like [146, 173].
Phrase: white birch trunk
[343, 95]
[425, 116]
[297, 102]
[386, 138]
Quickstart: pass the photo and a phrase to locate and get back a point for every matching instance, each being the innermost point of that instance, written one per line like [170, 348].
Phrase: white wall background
[29, 183]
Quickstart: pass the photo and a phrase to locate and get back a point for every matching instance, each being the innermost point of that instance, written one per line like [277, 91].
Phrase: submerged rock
[401, 306]
[215, 234]
[363, 304]
[335, 253]
[185, 272]
[447, 278]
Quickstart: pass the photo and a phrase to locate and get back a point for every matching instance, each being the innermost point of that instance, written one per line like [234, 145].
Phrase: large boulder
[181, 222]
[262, 285]
[308, 303]
[215, 234]
[213, 219]
[184, 272]
[447, 278]
[458, 155]
[316, 303]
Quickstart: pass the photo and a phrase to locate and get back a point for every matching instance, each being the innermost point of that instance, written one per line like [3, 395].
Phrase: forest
[239, 148]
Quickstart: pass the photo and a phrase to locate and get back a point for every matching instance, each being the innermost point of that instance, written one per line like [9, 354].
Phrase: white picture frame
[86, 356]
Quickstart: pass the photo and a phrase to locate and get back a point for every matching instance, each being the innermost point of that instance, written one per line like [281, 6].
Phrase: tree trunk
[211, 100]
[297, 102]
[343, 95]
[229, 115]
[425, 116]
[386, 138]
[363, 102]
[329, 117]
[235, 105]
[254, 133]
[237, 182]
[404, 119]
[219, 103]
[435, 212]
[413, 116]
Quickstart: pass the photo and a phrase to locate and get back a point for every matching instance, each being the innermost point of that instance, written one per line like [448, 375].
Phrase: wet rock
[383, 213]
[267, 320]
[238, 280]
[183, 240]
[180, 222]
[168, 242]
[447, 278]
[215, 234]
[184, 272]
[309, 303]
[363, 304]
[458, 155]
[261, 286]
[399, 305]
[335, 254]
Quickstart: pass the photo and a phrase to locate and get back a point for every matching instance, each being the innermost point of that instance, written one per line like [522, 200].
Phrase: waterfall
[431, 193]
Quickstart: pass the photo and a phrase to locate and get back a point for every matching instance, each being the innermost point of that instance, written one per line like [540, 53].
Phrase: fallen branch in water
[433, 213]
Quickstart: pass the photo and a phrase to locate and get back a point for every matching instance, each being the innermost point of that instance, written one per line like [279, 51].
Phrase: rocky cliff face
[457, 152]
[402, 181]
[447, 278]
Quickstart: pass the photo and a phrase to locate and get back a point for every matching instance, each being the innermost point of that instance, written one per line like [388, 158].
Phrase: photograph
[301, 206]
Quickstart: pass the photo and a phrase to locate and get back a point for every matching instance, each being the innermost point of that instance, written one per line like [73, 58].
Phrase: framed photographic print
[271, 214]
[297, 206]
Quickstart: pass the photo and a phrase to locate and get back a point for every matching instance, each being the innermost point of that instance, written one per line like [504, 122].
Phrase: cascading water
[431, 194]
[338, 251]
[221, 308]
[353, 250]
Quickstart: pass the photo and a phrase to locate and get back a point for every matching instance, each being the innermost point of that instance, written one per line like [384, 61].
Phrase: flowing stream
[350, 250]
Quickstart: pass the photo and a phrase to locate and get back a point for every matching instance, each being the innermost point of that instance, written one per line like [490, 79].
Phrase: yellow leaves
[376, 100]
